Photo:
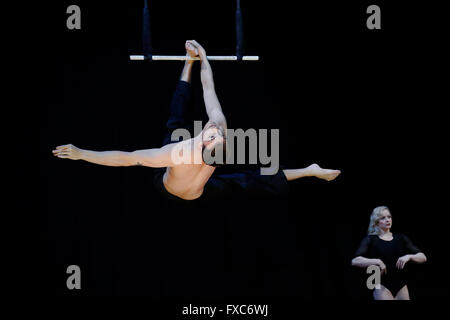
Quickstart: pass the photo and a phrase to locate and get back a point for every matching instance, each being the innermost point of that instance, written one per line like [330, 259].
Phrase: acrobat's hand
[401, 262]
[67, 151]
[200, 50]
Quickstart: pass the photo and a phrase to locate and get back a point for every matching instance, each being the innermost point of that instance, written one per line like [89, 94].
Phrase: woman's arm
[417, 258]
[362, 262]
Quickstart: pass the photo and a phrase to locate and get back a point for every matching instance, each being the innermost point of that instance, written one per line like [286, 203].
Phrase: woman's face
[385, 222]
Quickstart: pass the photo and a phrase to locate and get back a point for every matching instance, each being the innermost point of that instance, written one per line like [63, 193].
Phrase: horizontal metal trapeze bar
[178, 58]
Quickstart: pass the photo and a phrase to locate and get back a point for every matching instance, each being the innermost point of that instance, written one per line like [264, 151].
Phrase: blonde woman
[391, 252]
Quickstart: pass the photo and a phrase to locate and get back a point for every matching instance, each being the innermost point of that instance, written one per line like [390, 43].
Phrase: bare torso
[187, 181]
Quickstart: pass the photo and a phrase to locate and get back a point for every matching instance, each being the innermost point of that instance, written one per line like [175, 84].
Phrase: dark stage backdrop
[365, 102]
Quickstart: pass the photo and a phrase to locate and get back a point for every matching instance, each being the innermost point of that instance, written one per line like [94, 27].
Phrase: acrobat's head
[214, 144]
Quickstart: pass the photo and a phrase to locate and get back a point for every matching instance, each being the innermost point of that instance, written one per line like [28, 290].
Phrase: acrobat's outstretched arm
[156, 158]
[213, 108]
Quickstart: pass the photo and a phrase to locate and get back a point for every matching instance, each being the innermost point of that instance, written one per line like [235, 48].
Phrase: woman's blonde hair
[374, 218]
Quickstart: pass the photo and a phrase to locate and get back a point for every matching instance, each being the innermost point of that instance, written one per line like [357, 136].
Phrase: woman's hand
[401, 262]
[67, 151]
[382, 266]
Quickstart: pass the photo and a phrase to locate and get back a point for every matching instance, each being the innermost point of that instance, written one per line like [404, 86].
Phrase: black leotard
[373, 247]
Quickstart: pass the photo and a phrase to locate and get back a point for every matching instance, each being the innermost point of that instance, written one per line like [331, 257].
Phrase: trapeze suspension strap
[239, 32]
[146, 36]
[147, 42]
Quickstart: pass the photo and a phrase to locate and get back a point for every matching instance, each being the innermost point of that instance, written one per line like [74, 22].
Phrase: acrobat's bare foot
[327, 174]
[191, 50]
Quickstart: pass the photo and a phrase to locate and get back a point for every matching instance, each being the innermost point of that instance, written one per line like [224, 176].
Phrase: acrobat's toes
[325, 174]
[330, 174]
[191, 50]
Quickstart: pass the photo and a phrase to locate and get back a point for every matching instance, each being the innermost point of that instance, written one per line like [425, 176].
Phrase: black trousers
[218, 186]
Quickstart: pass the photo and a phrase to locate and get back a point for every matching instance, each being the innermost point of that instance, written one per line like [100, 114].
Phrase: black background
[367, 102]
